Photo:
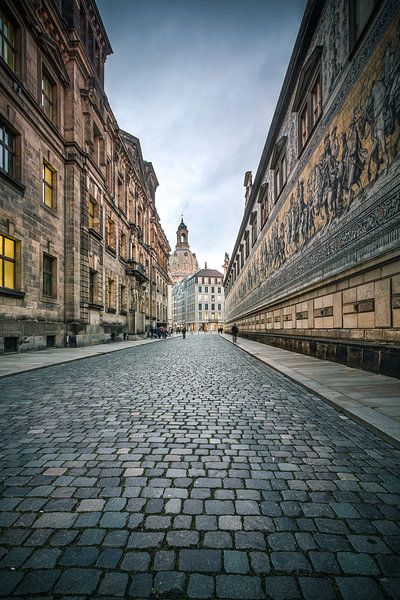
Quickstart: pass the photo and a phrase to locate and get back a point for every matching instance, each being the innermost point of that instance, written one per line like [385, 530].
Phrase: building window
[253, 223]
[49, 270]
[7, 263]
[206, 289]
[110, 233]
[7, 41]
[212, 306]
[200, 306]
[360, 13]
[219, 307]
[199, 288]
[92, 286]
[7, 150]
[110, 293]
[206, 306]
[48, 96]
[49, 186]
[264, 204]
[219, 290]
[310, 112]
[121, 194]
[280, 175]
[123, 298]
[122, 245]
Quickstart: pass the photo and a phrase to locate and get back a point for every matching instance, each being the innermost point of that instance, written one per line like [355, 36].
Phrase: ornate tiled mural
[342, 201]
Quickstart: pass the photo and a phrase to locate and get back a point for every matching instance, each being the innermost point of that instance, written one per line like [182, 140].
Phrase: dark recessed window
[48, 96]
[7, 150]
[360, 13]
[49, 288]
[7, 41]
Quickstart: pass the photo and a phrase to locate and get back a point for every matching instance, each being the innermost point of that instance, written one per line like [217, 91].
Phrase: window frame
[7, 149]
[5, 41]
[354, 37]
[46, 185]
[45, 99]
[307, 109]
[4, 258]
[49, 276]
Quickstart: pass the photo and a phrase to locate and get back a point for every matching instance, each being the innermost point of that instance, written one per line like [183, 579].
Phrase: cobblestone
[234, 483]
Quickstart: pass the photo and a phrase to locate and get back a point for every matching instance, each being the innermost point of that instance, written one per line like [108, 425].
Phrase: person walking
[235, 331]
[184, 332]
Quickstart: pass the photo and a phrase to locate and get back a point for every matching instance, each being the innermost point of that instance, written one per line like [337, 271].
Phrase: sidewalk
[11, 364]
[372, 400]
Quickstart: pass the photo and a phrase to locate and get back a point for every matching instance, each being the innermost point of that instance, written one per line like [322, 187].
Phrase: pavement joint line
[315, 388]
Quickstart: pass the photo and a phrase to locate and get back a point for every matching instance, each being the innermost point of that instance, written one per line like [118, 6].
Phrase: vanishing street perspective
[200, 355]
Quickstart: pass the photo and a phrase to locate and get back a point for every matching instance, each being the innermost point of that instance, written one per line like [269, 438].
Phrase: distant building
[198, 301]
[183, 261]
[83, 256]
[315, 267]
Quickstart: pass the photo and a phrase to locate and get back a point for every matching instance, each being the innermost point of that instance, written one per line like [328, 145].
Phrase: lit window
[7, 41]
[48, 276]
[7, 263]
[7, 152]
[49, 186]
[47, 96]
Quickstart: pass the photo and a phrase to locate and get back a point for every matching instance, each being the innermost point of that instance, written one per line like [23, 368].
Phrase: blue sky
[197, 81]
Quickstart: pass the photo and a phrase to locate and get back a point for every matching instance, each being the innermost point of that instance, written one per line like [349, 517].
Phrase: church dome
[183, 261]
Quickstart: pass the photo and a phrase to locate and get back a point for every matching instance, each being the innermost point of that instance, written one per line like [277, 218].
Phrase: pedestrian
[234, 331]
[184, 332]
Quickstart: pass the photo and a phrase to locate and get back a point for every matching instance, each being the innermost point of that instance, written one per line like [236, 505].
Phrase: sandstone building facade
[315, 267]
[83, 255]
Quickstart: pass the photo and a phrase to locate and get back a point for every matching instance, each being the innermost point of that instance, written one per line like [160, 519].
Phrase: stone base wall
[378, 358]
[31, 335]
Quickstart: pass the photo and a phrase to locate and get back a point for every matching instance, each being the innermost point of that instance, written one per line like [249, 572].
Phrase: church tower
[183, 261]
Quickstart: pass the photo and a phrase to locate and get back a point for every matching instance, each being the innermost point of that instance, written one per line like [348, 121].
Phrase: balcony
[136, 269]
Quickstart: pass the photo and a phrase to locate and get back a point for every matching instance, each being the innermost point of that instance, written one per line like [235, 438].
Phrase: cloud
[197, 82]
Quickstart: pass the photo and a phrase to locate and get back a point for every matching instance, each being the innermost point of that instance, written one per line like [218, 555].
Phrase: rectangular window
[122, 298]
[110, 293]
[219, 290]
[49, 186]
[264, 205]
[93, 214]
[48, 96]
[200, 306]
[304, 127]
[92, 286]
[212, 306]
[49, 276]
[253, 228]
[7, 41]
[110, 233]
[206, 306]
[199, 288]
[206, 289]
[7, 263]
[316, 102]
[7, 150]
[219, 307]
[122, 245]
[360, 13]
[280, 175]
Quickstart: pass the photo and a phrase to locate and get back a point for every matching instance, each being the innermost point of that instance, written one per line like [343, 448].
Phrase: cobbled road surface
[187, 469]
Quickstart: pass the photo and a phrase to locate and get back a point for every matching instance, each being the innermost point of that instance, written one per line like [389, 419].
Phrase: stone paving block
[164, 560]
[114, 584]
[203, 561]
[317, 589]
[290, 562]
[169, 583]
[136, 561]
[236, 562]
[240, 587]
[57, 520]
[141, 586]
[201, 586]
[8, 582]
[45, 558]
[282, 588]
[38, 582]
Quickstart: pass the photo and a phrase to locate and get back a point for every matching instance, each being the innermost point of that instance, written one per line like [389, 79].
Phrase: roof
[182, 225]
[208, 273]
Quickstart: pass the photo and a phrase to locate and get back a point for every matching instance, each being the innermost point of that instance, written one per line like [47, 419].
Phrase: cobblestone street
[187, 469]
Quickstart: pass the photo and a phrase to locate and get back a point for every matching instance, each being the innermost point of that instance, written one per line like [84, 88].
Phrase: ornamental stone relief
[357, 150]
